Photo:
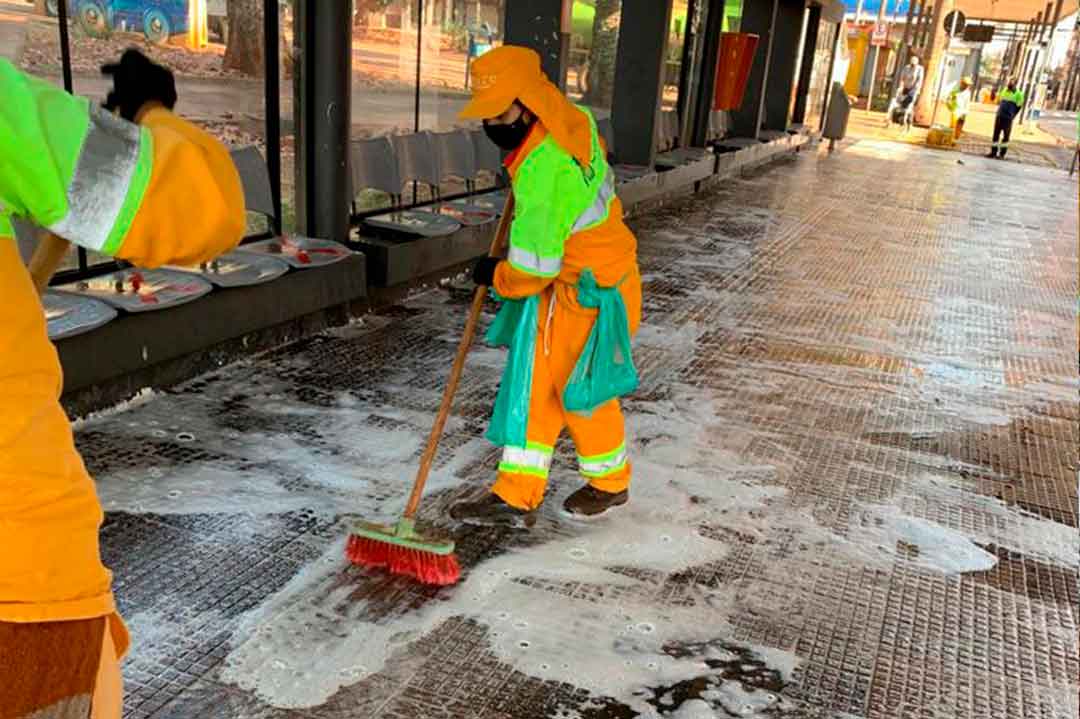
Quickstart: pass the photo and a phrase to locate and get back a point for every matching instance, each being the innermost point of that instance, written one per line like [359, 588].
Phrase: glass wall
[819, 76]
[214, 49]
[454, 35]
[732, 15]
[594, 45]
[673, 66]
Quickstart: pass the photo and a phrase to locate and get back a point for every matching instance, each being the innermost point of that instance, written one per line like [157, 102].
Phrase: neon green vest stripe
[67, 165]
[555, 199]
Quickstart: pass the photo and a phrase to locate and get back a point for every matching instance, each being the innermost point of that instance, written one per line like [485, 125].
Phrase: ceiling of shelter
[1010, 10]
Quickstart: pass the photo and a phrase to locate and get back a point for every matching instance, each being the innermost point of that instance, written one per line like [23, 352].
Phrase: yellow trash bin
[940, 136]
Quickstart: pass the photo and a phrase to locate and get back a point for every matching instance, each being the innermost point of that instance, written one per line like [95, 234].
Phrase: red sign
[880, 36]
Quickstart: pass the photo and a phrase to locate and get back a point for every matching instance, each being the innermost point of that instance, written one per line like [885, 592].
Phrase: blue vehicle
[158, 20]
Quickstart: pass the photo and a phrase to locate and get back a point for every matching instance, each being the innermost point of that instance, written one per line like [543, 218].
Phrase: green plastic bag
[605, 370]
[514, 327]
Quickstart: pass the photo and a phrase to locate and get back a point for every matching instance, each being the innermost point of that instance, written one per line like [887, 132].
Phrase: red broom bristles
[426, 567]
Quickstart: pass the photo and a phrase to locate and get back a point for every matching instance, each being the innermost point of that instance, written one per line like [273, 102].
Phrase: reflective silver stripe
[101, 180]
[532, 458]
[598, 210]
[534, 263]
[599, 469]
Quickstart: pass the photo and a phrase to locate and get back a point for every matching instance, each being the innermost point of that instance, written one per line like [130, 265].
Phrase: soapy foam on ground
[607, 636]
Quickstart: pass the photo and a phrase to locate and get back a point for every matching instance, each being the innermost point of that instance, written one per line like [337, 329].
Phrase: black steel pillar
[323, 108]
[759, 18]
[783, 61]
[806, 68]
[538, 24]
[710, 52]
[639, 78]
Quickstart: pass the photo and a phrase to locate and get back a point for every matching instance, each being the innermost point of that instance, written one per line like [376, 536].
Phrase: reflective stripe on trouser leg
[523, 471]
[600, 440]
[523, 475]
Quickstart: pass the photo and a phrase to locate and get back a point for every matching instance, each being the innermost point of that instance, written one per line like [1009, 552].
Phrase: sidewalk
[855, 449]
[1029, 144]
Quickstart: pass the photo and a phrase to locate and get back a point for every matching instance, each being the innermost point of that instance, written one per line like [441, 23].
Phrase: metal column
[538, 24]
[710, 51]
[323, 108]
[759, 18]
[639, 78]
[783, 58]
[806, 69]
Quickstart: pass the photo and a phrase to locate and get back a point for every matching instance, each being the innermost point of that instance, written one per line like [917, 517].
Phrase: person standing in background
[1010, 102]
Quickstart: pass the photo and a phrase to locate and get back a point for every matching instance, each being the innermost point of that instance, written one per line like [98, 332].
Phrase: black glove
[137, 81]
[483, 272]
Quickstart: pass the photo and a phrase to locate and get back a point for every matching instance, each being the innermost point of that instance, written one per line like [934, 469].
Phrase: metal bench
[376, 165]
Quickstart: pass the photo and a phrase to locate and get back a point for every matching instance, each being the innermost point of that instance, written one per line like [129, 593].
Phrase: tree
[602, 55]
[244, 48]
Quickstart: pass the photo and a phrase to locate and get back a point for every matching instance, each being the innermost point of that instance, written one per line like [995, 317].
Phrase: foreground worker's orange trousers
[56, 607]
[610, 251]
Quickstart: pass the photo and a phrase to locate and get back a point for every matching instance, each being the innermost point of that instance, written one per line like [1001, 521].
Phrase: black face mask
[508, 137]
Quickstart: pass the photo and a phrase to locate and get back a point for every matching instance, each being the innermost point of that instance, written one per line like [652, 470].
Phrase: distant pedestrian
[902, 106]
[958, 103]
[1010, 102]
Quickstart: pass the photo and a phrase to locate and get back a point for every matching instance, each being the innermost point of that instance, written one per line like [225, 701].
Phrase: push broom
[401, 548]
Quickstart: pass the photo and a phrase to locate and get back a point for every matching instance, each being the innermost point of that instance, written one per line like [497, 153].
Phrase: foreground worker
[959, 103]
[1011, 101]
[154, 192]
[568, 247]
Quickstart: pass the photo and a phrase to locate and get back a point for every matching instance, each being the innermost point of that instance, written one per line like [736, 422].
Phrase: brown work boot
[489, 510]
[591, 502]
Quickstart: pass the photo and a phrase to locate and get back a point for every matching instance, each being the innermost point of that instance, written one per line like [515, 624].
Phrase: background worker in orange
[153, 192]
[567, 229]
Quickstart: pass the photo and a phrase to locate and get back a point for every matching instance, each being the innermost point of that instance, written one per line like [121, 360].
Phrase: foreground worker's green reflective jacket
[555, 197]
[68, 165]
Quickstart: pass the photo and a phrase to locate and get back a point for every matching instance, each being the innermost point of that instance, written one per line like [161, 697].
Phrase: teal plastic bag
[514, 327]
[605, 370]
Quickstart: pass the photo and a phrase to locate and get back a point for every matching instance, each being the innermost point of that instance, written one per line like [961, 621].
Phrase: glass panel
[732, 15]
[384, 69]
[819, 77]
[455, 33]
[594, 44]
[287, 124]
[213, 48]
[35, 49]
[673, 66]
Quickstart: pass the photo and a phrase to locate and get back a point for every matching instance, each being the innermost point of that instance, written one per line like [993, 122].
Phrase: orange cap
[498, 78]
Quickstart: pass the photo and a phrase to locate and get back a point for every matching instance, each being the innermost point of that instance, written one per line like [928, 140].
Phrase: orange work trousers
[600, 438]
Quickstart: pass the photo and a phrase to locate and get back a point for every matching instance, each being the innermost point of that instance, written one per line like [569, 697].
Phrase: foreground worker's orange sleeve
[50, 563]
[193, 209]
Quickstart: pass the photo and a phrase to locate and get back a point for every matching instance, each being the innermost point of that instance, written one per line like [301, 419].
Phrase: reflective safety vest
[556, 198]
[1010, 102]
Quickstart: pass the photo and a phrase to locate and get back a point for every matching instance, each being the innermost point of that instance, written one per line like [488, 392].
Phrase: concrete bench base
[115, 361]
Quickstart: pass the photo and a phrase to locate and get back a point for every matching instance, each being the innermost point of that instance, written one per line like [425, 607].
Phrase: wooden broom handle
[48, 255]
[467, 337]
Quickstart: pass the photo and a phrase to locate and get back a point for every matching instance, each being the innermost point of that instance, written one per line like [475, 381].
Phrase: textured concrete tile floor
[856, 483]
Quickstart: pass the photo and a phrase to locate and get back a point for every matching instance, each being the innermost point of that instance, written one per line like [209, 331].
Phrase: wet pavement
[855, 450]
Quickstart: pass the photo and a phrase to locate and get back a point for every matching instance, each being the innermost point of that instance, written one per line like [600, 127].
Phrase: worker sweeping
[959, 103]
[146, 187]
[1010, 103]
[571, 293]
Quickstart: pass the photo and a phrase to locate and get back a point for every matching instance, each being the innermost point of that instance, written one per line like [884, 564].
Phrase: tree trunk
[244, 49]
[605, 45]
